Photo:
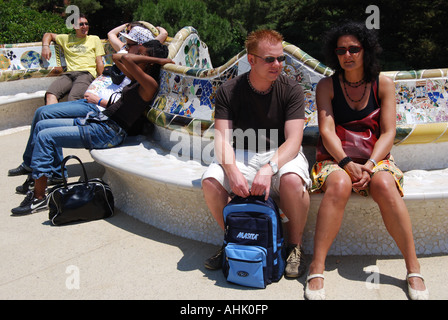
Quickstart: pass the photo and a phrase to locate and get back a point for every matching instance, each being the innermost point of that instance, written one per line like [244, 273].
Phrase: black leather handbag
[79, 201]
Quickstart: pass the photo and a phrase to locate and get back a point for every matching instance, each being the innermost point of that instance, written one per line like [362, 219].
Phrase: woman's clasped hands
[360, 175]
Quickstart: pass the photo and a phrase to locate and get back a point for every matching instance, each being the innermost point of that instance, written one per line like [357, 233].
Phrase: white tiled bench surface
[165, 191]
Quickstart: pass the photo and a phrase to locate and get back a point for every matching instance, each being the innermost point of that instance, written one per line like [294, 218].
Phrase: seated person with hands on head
[105, 129]
[83, 55]
[269, 104]
[357, 96]
[139, 34]
[96, 97]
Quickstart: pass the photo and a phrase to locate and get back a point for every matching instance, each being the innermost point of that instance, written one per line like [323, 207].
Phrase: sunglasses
[82, 24]
[129, 45]
[271, 59]
[343, 50]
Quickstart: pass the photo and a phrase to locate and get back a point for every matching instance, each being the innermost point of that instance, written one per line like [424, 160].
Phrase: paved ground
[122, 258]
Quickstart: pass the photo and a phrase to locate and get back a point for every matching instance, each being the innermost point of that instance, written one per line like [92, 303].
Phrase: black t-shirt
[258, 119]
[128, 108]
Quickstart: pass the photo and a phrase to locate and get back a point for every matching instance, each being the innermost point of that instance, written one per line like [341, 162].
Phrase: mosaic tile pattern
[187, 94]
[24, 61]
[422, 101]
[188, 88]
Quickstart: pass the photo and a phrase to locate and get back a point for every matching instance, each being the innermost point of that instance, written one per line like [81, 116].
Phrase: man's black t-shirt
[260, 117]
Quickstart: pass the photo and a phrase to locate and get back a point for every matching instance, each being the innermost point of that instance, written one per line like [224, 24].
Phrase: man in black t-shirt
[263, 113]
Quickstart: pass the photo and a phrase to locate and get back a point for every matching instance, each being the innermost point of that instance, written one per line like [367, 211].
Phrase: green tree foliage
[173, 15]
[58, 6]
[413, 33]
[20, 23]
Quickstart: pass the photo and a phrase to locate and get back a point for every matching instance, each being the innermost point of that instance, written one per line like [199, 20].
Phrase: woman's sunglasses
[271, 59]
[129, 45]
[343, 50]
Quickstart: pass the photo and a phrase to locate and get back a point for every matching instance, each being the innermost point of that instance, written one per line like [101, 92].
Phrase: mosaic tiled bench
[163, 189]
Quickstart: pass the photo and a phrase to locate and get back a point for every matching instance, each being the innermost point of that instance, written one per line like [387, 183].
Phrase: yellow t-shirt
[80, 53]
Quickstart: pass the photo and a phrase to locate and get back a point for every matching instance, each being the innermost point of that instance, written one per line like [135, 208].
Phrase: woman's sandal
[417, 294]
[314, 294]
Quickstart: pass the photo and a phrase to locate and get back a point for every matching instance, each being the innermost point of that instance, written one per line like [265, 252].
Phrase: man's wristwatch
[274, 167]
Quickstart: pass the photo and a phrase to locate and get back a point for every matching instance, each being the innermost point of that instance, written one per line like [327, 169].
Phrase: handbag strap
[113, 98]
[63, 169]
[375, 90]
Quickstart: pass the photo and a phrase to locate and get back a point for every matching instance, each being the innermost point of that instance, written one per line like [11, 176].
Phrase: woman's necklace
[258, 91]
[354, 85]
[350, 98]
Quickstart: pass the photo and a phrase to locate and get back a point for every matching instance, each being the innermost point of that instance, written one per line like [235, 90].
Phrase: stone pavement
[122, 258]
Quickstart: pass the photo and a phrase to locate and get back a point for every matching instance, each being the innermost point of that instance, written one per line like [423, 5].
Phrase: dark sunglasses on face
[82, 24]
[343, 50]
[129, 45]
[271, 59]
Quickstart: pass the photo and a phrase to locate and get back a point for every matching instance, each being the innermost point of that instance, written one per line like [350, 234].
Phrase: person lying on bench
[105, 129]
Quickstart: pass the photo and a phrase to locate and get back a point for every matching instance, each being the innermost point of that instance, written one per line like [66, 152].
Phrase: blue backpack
[254, 255]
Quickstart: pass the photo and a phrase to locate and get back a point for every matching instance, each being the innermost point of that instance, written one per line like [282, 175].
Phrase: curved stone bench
[164, 190]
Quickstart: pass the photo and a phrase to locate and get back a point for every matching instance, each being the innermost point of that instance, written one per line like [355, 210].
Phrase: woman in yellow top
[83, 55]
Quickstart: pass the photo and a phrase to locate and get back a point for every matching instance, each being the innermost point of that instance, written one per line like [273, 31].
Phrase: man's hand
[239, 184]
[262, 182]
[46, 52]
[46, 40]
[91, 97]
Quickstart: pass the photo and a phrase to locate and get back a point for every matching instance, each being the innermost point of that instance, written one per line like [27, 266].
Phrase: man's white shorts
[249, 163]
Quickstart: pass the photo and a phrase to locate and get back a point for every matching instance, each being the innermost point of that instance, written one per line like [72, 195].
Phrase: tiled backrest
[186, 96]
[23, 61]
[188, 87]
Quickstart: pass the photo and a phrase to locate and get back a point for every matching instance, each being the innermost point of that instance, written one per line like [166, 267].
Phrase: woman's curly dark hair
[155, 49]
[369, 41]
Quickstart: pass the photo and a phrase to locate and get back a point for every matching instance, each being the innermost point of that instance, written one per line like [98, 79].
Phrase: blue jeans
[70, 109]
[51, 135]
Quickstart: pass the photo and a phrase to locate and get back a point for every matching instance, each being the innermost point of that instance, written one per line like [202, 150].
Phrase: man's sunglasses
[271, 59]
[340, 51]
